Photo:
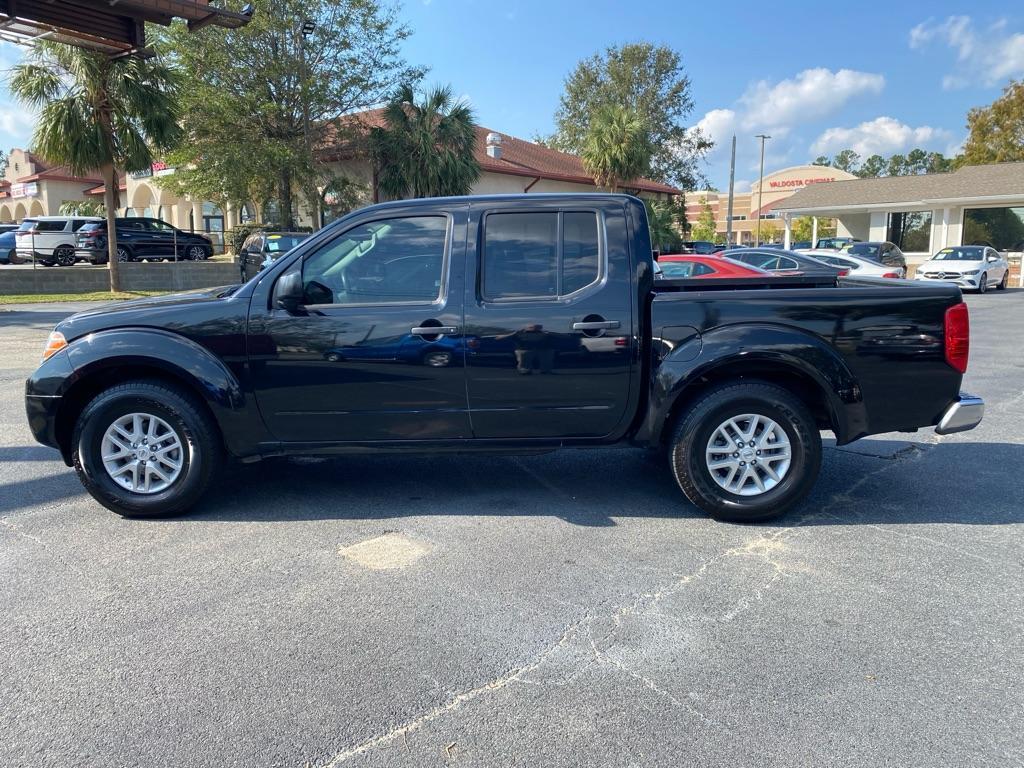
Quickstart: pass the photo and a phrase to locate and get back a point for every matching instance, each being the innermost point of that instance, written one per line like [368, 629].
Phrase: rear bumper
[966, 413]
[92, 255]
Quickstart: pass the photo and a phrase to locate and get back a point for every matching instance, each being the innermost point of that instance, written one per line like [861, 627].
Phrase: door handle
[596, 325]
[433, 330]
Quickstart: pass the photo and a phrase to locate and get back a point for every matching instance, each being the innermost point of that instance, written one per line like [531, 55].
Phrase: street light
[760, 187]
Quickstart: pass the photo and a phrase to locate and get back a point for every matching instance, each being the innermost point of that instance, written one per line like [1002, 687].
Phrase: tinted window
[522, 258]
[863, 249]
[581, 256]
[42, 226]
[160, 226]
[77, 224]
[92, 226]
[132, 224]
[787, 263]
[382, 262]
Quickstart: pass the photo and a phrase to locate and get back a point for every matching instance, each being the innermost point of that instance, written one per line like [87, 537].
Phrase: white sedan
[858, 265]
[972, 267]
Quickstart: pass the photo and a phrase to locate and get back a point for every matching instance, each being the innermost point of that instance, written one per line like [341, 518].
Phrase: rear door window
[539, 255]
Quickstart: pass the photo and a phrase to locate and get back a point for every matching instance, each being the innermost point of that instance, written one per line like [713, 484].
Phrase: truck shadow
[871, 482]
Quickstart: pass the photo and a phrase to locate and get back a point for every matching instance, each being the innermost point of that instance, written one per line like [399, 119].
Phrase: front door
[550, 345]
[377, 351]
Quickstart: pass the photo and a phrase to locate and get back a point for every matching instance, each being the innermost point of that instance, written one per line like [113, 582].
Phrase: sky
[878, 77]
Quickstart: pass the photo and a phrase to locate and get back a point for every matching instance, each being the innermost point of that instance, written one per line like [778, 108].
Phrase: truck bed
[673, 285]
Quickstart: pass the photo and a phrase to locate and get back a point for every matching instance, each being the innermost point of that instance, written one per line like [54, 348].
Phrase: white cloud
[812, 94]
[777, 108]
[991, 57]
[881, 136]
[718, 125]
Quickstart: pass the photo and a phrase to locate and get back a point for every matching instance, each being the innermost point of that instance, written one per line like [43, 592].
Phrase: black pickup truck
[509, 324]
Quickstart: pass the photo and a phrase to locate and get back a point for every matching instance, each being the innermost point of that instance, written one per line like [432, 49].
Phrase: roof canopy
[111, 26]
[1000, 182]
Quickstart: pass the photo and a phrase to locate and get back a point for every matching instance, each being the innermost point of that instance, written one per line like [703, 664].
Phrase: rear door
[548, 320]
[361, 361]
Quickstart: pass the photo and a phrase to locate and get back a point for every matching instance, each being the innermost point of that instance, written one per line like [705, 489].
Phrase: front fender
[757, 348]
[179, 358]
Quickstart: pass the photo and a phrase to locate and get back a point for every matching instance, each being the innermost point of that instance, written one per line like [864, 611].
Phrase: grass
[48, 298]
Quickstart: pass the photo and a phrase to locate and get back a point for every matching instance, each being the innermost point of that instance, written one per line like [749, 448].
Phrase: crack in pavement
[762, 548]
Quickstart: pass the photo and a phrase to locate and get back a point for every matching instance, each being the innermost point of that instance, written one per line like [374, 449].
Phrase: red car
[683, 266]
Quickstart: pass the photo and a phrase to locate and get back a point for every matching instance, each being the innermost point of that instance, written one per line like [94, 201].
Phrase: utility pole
[760, 187]
[305, 30]
[732, 184]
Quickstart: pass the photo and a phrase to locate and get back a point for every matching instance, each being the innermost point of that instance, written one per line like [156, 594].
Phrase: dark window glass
[581, 258]
[520, 255]
[1001, 227]
[77, 224]
[787, 263]
[92, 226]
[42, 226]
[522, 258]
[910, 230]
[382, 262]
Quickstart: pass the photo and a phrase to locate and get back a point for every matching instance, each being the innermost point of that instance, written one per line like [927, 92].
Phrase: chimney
[494, 145]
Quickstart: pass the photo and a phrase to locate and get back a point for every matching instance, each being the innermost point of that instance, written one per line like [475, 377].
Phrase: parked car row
[65, 240]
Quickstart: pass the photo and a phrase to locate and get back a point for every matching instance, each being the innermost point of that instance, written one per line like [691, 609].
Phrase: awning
[115, 28]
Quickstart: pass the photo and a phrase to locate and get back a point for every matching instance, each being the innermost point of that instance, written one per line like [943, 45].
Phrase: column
[814, 232]
[788, 236]
[945, 229]
[197, 217]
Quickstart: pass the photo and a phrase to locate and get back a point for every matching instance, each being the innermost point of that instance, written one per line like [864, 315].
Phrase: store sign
[789, 183]
[156, 169]
[24, 190]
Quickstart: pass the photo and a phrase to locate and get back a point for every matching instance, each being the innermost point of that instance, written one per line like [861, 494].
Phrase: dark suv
[141, 238]
[261, 249]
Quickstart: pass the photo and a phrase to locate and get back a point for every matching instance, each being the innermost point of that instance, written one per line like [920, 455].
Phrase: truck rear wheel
[145, 449]
[746, 452]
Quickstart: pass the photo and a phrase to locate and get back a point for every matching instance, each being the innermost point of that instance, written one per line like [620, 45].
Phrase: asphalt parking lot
[560, 610]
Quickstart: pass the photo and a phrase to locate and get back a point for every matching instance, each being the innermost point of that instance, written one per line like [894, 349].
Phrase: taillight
[843, 272]
[892, 274]
[958, 336]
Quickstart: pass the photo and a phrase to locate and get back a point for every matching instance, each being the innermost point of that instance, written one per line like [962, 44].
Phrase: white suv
[50, 240]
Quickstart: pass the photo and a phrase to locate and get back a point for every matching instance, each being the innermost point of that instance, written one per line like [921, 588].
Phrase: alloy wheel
[142, 453]
[748, 455]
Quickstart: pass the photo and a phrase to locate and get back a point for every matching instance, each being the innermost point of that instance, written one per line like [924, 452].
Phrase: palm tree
[425, 149]
[617, 147]
[98, 112]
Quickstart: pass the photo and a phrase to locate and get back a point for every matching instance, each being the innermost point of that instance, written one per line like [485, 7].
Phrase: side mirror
[992, 259]
[288, 291]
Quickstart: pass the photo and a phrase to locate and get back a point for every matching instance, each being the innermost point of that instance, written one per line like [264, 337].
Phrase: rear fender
[755, 351]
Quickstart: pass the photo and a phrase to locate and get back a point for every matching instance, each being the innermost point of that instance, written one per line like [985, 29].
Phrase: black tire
[1005, 281]
[65, 256]
[200, 438]
[12, 257]
[983, 283]
[124, 254]
[694, 430]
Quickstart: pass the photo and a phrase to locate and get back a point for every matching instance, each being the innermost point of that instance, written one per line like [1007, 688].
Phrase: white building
[923, 214]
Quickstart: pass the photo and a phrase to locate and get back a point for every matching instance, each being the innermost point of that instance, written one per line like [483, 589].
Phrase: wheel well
[84, 390]
[791, 379]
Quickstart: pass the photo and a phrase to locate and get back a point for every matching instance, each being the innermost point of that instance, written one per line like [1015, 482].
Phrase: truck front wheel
[145, 449]
[746, 451]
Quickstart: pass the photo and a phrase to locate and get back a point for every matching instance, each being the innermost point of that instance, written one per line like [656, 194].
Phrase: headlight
[972, 272]
[54, 344]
